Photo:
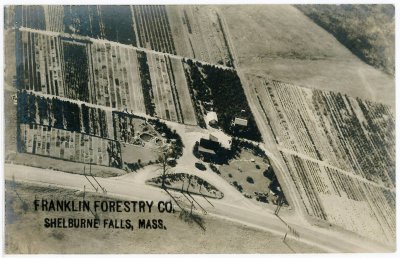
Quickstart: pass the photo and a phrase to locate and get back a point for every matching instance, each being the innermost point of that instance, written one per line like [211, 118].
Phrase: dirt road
[228, 208]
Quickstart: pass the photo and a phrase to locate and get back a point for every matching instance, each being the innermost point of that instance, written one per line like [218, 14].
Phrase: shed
[240, 121]
[212, 118]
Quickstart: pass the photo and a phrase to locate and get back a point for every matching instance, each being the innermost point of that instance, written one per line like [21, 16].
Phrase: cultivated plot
[339, 152]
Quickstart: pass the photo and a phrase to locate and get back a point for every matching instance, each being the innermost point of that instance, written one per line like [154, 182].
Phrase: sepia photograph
[199, 129]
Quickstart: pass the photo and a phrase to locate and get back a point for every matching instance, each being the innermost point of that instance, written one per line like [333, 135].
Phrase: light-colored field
[116, 81]
[25, 233]
[280, 42]
[170, 89]
[133, 153]
[198, 33]
[178, 29]
[44, 162]
[184, 99]
[163, 95]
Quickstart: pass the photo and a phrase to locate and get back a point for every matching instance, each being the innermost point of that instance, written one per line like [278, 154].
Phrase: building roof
[222, 138]
[205, 150]
[240, 121]
[211, 117]
[213, 138]
[209, 144]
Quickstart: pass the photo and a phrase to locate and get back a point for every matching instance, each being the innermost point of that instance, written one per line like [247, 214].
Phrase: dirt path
[269, 142]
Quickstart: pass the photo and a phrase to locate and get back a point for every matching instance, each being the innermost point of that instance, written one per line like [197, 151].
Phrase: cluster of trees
[94, 121]
[53, 112]
[114, 154]
[366, 30]
[238, 145]
[146, 83]
[193, 77]
[274, 184]
[60, 114]
[111, 22]
[238, 186]
[76, 71]
[30, 16]
[223, 89]
[162, 128]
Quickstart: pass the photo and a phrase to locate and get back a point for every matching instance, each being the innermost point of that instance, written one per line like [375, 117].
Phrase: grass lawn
[247, 171]
[66, 166]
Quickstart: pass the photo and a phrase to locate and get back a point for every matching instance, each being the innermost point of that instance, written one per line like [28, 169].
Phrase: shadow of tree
[187, 216]
[190, 217]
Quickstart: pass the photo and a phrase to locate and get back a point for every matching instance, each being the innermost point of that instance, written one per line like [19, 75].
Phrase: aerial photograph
[199, 129]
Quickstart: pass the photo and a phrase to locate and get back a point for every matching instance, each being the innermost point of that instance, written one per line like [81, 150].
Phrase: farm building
[212, 118]
[204, 151]
[209, 144]
[224, 140]
[240, 122]
[208, 148]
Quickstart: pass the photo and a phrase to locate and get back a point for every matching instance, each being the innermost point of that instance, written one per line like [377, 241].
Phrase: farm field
[188, 31]
[76, 132]
[339, 152]
[54, 18]
[70, 131]
[67, 145]
[305, 54]
[32, 16]
[153, 28]
[333, 195]
[199, 34]
[125, 87]
[116, 76]
[167, 99]
[10, 120]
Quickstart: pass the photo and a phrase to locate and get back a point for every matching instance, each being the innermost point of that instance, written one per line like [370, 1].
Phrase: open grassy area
[64, 165]
[280, 42]
[24, 232]
[250, 174]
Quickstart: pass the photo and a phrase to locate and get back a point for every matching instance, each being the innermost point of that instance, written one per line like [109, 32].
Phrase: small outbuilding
[240, 122]
[212, 118]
